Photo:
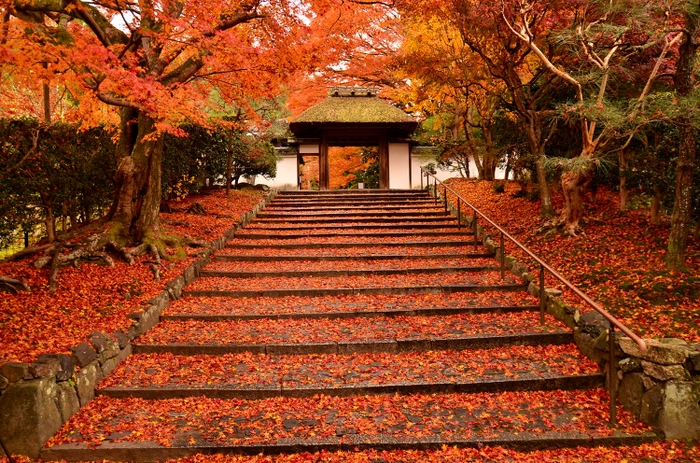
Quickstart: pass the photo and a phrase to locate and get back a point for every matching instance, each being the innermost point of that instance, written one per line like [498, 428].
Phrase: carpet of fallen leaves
[198, 420]
[492, 278]
[361, 239]
[618, 259]
[344, 303]
[248, 369]
[352, 264]
[657, 452]
[92, 298]
[307, 330]
[271, 224]
[355, 251]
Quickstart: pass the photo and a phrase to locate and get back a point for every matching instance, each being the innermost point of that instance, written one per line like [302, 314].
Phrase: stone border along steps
[295, 407]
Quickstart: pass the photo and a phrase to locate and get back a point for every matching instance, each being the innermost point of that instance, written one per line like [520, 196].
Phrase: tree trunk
[624, 193]
[138, 177]
[73, 217]
[489, 156]
[537, 151]
[49, 219]
[229, 160]
[656, 207]
[696, 233]
[683, 201]
[573, 184]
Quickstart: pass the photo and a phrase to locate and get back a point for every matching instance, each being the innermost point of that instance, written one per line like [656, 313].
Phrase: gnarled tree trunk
[687, 151]
[138, 178]
[573, 185]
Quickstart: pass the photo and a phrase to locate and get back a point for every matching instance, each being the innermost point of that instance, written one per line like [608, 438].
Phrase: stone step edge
[301, 257]
[341, 273]
[384, 204]
[390, 234]
[500, 383]
[356, 202]
[350, 219]
[408, 244]
[147, 451]
[315, 292]
[372, 346]
[364, 191]
[426, 312]
[343, 226]
[276, 215]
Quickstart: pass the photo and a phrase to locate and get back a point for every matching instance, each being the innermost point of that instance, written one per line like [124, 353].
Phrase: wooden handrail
[614, 322]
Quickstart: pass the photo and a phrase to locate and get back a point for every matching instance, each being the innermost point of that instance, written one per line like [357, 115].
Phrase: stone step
[364, 281]
[354, 243]
[252, 235]
[348, 335]
[256, 376]
[282, 202]
[351, 347]
[146, 430]
[344, 306]
[344, 273]
[387, 208]
[352, 220]
[434, 212]
[351, 264]
[423, 312]
[299, 226]
[341, 258]
[318, 292]
[352, 193]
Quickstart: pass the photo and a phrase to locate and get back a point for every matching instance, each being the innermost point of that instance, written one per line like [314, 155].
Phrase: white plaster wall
[287, 173]
[309, 149]
[442, 174]
[399, 161]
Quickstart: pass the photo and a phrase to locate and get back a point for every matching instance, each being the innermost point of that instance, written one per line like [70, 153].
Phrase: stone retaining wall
[37, 398]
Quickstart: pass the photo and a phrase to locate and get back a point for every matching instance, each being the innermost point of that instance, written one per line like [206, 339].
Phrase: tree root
[119, 249]
[11, 285]
[28, 252]
[197, 209]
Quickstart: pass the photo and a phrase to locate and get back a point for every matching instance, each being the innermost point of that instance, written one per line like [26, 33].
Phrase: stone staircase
[347, 320]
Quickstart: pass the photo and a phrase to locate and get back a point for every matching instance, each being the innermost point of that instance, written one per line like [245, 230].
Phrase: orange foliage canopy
[165, 63]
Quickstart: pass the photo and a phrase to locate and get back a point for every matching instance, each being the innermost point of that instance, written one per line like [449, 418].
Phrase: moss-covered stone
[673, 407]
[29, 416]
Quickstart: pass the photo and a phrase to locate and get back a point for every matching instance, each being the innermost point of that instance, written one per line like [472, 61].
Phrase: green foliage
[202, 154]
[498, 187]
[53, 168]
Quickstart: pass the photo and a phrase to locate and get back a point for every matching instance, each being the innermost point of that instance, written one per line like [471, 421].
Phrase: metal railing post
[503, 259]
[435, 192]
[612, 372]
[474, 230]
[459, 214]
[543, 295]
[444, 192]
[421, 178]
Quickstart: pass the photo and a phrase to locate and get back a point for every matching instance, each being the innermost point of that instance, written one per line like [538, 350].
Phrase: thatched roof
[353, 105]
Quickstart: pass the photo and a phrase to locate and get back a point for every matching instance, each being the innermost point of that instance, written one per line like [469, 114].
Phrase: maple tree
[528, 87]
[684, 79]
[449, 85]
[607, 34]
[160, 64]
